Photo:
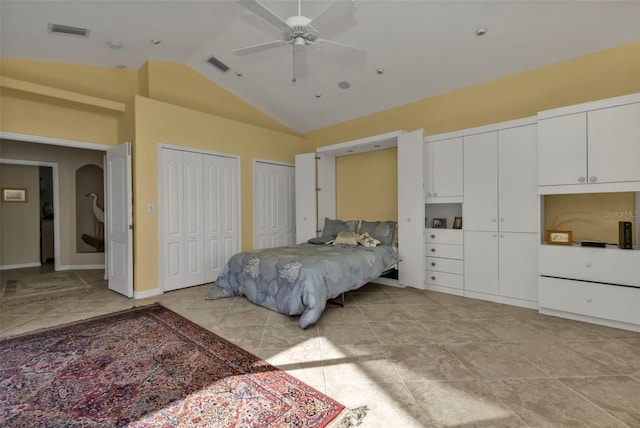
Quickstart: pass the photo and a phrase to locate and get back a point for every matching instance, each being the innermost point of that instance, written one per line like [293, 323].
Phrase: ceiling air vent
[218, 64]
[69, 31]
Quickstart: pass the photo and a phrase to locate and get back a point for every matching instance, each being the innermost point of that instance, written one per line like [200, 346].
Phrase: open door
[118, 220]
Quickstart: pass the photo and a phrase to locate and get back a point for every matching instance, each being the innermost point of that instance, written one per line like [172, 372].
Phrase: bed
[298, 280]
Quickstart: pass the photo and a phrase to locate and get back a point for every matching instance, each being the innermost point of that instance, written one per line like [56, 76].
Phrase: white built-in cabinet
[443, 170]
[199, 216]
[590, 144]
[500, 213]
[591, 148]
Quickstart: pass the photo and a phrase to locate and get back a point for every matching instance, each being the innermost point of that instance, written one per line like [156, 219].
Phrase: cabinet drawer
[444, 250]
[444, 279]
[609, 265]
[597, 300]
[444, 236]
[445, 265]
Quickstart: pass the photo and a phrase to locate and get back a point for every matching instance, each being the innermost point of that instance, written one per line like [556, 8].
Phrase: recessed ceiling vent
[218, 64]
[69, 31]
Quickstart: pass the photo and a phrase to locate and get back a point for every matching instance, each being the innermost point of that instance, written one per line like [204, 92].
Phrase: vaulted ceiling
[414, 49]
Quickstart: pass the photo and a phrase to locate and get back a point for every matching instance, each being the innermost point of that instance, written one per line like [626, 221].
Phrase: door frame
[160, 206]
[30, 138]
[255, 195]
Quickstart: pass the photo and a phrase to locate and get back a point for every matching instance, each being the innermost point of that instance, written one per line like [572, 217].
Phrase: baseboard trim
[20, 266]
[147, 293]
[81, 267]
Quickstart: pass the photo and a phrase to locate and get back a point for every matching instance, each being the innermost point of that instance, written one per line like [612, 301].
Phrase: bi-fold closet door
[200, 226]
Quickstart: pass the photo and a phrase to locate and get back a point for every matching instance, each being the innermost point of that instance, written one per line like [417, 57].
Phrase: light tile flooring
[416, 358]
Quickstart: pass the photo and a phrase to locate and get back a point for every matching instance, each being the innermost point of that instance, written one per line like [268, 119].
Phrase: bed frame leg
[337, 302]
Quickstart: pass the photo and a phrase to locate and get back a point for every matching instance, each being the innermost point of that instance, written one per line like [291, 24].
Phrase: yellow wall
[158, 122]
[605, 74]
[180, 85]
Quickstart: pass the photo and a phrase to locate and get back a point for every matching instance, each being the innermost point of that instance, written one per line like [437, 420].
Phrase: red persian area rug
[148, 367]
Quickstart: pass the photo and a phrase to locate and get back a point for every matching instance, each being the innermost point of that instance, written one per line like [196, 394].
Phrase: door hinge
[130, 227]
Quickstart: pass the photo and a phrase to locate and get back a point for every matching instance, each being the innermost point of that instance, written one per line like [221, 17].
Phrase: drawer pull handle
[589, 300]
[433, 250]
[588, 264]
[433, 278]
[581, 179]
[433, 236]
[433, 263]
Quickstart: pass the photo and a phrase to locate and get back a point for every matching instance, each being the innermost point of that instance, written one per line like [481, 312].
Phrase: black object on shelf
[597, 244]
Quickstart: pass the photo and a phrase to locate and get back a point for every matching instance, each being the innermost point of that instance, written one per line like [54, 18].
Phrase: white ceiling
[426, 48]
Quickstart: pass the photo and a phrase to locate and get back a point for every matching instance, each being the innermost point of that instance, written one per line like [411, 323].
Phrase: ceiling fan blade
[259, 9]
[335, 19]
[299, 63]
[259, 48]
[325, 44]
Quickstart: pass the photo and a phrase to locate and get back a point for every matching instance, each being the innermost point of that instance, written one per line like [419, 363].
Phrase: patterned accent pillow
[367, 241]
[333, 227]
[380, 230]
[349, 238]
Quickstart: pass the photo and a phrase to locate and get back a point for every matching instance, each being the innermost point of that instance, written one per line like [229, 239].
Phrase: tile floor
[416, 358]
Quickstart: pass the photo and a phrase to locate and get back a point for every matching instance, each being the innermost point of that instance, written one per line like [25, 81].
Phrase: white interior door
[305, 196]
[193, 221]
[118, 221]
[274, 205]
[172, 219]
[221, 213]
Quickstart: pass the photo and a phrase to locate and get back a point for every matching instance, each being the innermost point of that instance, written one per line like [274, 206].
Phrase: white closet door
[481, 182]
[221, 212]
[172, 219]
[326, 165]
[274, 205]
[305, 195]
[193, 222]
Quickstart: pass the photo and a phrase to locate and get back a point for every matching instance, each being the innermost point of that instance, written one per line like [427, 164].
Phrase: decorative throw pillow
[367, 241]
[320, 241]
[348, 238]
[333, 227]
[380, 230]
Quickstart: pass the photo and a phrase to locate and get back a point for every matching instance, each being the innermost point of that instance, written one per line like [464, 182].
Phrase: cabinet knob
[435, 193]
[501, 218]
[433, 263]
[501, 235]
[433, 250]
[593, 179]
[428, 195]
[581, 179]
[589, 299]
[433, 278]
[588, 264]
[493, 235]
[493, 220]
[433, 236]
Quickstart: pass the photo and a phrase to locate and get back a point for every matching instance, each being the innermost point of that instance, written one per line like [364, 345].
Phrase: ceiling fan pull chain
[293, 80]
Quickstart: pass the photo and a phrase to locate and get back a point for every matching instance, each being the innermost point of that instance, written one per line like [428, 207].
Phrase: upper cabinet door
[518, 189]
[428, 170]
[447, 168]
[481, 182]
[562, 151]
[614, 144]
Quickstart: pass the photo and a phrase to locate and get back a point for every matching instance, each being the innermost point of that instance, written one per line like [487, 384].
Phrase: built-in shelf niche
[448, 211]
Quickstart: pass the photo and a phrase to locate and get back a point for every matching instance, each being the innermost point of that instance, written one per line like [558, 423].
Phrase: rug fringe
[350, 418]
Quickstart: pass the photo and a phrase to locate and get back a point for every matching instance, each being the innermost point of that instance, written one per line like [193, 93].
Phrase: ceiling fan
[299, 32]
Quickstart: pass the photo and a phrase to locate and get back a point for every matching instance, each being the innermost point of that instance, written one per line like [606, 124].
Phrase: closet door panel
[193, 221]
[481, 182]
[305, 196]
[173, 218]
[221, 201]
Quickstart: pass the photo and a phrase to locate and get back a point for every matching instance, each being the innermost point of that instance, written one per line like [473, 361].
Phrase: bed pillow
[366, 240]
[320, 241]
[333, 227]
[380, 230]
[348, 238]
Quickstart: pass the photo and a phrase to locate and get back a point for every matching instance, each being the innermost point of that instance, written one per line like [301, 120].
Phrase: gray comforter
[299, 280]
